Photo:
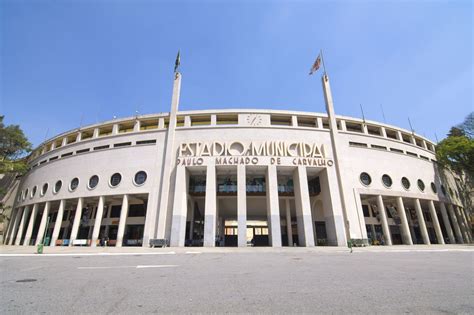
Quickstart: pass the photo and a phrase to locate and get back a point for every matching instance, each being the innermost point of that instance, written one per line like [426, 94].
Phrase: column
[405, 229]
[457, 230]
[273, 207]
[421, 222]
[210, 207]
[42, 227]
[18, 216]
[467, 224]
[434, 218]
[77, 221]
[383, 217]
[303, 207]
[31, 224]
[98, 220]
[446, 222]
[180, 208]
[26, 210]
[123, 221]
[191, 220]
[11, 223]
[241, 206]
[289, 230]
[461, 224]
[57, 225]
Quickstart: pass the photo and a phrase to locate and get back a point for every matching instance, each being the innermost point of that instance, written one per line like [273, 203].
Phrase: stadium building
[238, 178]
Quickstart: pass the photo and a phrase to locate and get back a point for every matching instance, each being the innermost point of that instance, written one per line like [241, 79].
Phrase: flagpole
[322, 60]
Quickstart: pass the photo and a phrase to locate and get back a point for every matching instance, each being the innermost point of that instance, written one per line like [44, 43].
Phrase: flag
[316, 65]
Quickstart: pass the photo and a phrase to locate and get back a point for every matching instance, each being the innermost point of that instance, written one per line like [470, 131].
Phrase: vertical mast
[334, 141]
[169, 155]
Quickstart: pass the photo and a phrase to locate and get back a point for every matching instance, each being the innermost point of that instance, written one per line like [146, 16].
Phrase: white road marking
[155, 266]
[86, 254]
[122, 267]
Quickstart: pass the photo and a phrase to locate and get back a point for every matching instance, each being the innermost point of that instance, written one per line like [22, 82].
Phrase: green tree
[14, 147]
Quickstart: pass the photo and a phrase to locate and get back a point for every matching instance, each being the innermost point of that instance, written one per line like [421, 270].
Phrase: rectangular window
[42, 162]
[82, 151]
[392, 134]
[115, 211]
[87, 134]
[180, 121]
[102, 147]
[358, 144]
[66, 154]
[424, 157]
[146, 142]
[396, 150]
[123, 144]
[71, 139]
[105, 131]
[373, 130]
[365, 209]
[149, 124]
[353, 127]
[136, 211]
[53, 158]
[378, 147]
[412, 154]
[325, 123]
[126, 127]
[280, 120]
[227, 119]
[307, 122]
[406, 138]
[200, 120]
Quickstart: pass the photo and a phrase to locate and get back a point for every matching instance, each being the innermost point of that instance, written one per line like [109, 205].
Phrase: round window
[421, 185]
[44, 189]
[57, 186]
[140, 178]
[405, 183]
[74, 184]
[443, 190]
[365, 179]
[26, 194]
[93, 181]
[433, 188]
[387, 180]
[33, 191]
[115, 179]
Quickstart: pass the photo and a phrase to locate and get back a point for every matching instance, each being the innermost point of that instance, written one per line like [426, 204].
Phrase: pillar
[191, 221]
[289, 230]
[11, 223]
[26, 210]
[31, 223]
[241, 206]
[434, 218]
[15, 225]
[57, 225]
[421, 222]
[457, 230]
[180, 208]
[383, 217]
[210, 207]
[273, 207]
[446, 222]
[98, 220]
[42, 227]
[303, 207]
[462, 225]
[405, 229]
[123, 221]
[77, 221]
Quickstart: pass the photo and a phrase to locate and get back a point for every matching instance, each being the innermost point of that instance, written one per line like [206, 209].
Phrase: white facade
[238, 178]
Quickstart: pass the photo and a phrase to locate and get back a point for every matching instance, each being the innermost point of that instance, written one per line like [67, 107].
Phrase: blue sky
[63, 60]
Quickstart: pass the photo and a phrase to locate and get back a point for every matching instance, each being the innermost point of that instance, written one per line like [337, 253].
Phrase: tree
[14, 146]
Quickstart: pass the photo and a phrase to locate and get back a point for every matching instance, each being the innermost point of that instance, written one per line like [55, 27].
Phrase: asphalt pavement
[293, 280]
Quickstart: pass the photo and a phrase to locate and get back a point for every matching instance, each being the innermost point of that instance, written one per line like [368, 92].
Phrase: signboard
[253, 153]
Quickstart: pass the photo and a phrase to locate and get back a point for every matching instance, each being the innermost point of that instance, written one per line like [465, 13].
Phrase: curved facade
[237, 178]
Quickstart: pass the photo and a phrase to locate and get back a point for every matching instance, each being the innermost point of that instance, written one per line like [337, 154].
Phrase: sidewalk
[59, 251]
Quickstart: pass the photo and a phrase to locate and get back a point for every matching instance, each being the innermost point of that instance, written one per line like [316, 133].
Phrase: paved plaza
[399, 279]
